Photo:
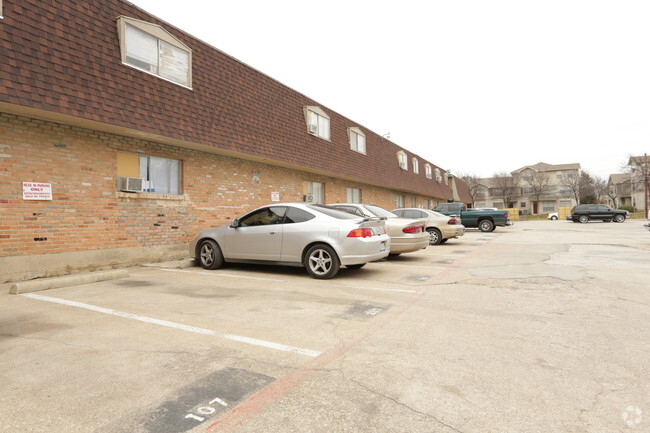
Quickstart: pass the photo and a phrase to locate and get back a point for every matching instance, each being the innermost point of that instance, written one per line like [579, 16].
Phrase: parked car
[647, 226]
[553, 216]
[406, 234]
[583, 213]
[440, 227]
[318, 237]
[485, 220]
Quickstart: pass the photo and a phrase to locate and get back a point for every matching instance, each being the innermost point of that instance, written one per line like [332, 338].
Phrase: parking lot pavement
[539, 327]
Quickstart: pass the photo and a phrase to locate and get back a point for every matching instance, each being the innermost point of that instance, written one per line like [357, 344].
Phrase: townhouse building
[630, 189]
[532, 189]
[122, 136]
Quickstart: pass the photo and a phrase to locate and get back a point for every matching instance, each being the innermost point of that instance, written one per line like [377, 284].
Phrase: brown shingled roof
[64, 57]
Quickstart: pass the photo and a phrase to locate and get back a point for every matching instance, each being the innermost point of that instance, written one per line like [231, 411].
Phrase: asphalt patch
[364, 311]
[444, 262]
[419, 278]
[205, 400]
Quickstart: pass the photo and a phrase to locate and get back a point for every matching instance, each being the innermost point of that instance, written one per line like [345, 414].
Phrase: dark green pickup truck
[485, 220]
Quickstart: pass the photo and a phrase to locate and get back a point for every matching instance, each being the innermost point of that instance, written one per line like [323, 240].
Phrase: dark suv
[585, 212]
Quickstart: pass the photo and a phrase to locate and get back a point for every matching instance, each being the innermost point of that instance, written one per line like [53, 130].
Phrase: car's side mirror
[234, 224]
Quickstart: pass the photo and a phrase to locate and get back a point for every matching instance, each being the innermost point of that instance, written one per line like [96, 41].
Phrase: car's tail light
[507, 214]
[360, 233]
[452, 221]
[413, 229]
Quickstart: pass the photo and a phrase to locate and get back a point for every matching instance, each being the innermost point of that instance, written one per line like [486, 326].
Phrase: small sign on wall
[275, 196]
[37, 191]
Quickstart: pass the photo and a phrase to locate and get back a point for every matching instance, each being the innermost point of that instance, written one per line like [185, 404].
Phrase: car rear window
[333, 212]
[379, 211]
[295, 215]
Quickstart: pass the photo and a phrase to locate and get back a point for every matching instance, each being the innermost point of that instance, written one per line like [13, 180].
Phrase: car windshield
[379, 211]
[333, 212]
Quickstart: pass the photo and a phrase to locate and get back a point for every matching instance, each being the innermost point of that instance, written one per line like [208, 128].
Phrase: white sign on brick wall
[37, 191]
[275, 196]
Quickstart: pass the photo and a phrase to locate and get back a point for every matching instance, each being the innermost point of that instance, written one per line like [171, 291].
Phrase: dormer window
[318, 122]
[438, 175]
[403, 160]
[427, 171]
[152, 49]
[416, 166]
[357, 140]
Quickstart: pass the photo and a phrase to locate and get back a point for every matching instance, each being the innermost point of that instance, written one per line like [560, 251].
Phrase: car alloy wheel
[322, 262]
[619, 218]
[583, 219]
[210, 256]
[435, 237]
[486, 226]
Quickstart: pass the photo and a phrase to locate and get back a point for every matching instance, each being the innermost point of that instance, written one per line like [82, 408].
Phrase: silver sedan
[406, 234]
[317, 237]
[440, 227]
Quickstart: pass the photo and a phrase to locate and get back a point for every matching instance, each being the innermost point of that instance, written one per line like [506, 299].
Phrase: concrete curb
[69, 280]
[175, 264]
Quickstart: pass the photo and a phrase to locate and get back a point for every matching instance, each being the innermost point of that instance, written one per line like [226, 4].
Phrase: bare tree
[540, 184]
[572, 182]
[507, 184]
[473, 183]
[600, 187]
[612, 193]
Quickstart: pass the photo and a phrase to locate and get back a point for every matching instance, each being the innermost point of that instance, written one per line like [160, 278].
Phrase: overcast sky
[474, 86]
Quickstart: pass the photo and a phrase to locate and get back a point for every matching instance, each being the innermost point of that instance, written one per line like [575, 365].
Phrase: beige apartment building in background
[532, 190]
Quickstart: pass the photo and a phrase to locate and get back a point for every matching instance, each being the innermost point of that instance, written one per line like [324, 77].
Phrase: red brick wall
[87, 212]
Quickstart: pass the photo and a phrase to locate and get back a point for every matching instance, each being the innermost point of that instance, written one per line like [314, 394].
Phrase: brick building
[141, 135]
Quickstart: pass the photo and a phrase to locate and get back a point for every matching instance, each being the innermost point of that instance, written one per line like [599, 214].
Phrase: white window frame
[357, 140]
[399, 201]
[317, 121]
[160, 175]
[402, 160]
[353, 195]
[416, 165]
[428, 172]
[163, 37]
[317, 192]
[1, 16]
[438, 175]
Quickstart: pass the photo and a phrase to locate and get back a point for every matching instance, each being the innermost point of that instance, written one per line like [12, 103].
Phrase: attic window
[438, 175]
[416, 166]
[150, 48]
[318, 122]
[428, 171]
[357, 140]
[403, 160]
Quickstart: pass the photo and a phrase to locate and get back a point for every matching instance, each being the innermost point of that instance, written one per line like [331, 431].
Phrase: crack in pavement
[404, 405]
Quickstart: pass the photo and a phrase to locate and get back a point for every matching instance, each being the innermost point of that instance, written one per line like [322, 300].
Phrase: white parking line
[232, 337]
[380, 289]
[219, 274]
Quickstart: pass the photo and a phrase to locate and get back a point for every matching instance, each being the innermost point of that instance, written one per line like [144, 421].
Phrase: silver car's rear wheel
[209, 255]
[322, 262]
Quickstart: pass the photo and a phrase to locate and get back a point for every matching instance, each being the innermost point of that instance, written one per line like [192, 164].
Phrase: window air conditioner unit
[312, 129]
[129, 184]
[309, 198]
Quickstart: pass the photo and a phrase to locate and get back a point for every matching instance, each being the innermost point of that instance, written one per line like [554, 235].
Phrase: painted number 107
[206, 410]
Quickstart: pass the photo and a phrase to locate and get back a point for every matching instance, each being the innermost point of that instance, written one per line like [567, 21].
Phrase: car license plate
[382, 247]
